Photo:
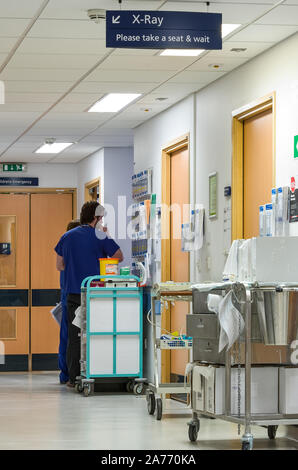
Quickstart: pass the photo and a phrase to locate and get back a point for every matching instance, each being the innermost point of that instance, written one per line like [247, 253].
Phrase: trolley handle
[87, 281]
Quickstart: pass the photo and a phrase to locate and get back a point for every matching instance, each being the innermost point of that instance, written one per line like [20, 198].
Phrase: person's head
[91, 213]
[73, 224]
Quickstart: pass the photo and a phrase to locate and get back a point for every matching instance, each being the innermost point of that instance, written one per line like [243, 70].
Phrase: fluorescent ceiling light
[113, 102]
[228, 28]
[182, 52]
[55, 147]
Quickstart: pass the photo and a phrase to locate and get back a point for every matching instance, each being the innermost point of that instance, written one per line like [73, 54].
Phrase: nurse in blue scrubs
[64, 377]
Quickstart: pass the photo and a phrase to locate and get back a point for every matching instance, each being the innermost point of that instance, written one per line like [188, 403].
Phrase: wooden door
[179, 259]
[14, 281]
[50, 214]
[257, 169]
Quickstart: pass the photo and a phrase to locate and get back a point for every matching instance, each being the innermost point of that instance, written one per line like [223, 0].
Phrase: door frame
[177, 144]
[254, 108]
[92, 184]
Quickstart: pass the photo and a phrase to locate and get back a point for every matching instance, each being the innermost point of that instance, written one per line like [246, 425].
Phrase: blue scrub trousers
[64, 377]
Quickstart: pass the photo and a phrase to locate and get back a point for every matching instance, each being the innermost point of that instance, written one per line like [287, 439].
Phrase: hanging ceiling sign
[18, 181]
[163, 30]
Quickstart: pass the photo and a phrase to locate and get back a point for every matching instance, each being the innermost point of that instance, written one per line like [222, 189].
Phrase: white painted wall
[51, 175]
[274, 70]
[118, 170]
[89, 169]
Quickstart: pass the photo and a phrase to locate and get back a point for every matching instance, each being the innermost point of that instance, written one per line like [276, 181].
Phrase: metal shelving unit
[271, 421]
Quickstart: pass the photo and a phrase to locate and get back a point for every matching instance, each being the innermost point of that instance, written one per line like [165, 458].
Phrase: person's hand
[105, 229]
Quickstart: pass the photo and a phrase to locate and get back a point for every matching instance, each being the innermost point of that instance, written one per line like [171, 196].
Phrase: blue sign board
[15, 181]
[138, 29]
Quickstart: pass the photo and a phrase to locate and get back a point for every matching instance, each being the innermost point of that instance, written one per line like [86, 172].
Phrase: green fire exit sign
[13, 167]
[296, 146]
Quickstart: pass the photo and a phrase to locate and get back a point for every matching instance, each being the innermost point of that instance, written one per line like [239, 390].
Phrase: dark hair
[73, 224]
[88, 212]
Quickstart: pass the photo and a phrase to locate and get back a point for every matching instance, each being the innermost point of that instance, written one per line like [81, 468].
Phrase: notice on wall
[293, 209]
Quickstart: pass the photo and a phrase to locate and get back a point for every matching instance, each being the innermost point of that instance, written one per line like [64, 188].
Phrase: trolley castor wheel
[78, 388]
[129, 387]
[272, 431]
[87, 390]
[138, 388]
[158, 409]
[151, 403]
[193, 429]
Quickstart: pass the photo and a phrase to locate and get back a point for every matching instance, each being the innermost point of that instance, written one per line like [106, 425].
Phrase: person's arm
[60, 263]
[119, 255]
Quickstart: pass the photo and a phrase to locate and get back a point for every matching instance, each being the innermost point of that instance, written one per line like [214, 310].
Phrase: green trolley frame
[115, 298]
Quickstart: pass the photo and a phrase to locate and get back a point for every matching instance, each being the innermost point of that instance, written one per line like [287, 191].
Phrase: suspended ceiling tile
[41, 74]
[67, 29]
[86, 99]
[252, 48]
[265, 33]
[62, 46]
[19, 9]
[12, 27]
[6, 44]
[134, 52]
[104, 131]
[129, 76]
[31, 97]
[226, 63]
[71, 107]
[177, 89]
[54, 61]
[79, 118]
[118, 123]
[146, 63]
[194, 77]
[284, 14]
[232, 12]
[23, 107]
[33, 86]
[107, 87]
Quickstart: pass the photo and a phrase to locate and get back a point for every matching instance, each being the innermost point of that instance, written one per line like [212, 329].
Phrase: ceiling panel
[252, 48]
[54, 61]
[77, 9]
[67, 29]
[265, 33]
[226, 63]
[33, 86]
[108, 87]
[6, 44]
[196, 77]
[146, 63]
[239, 13]
[86, 99]
[121, 76]
[41, 74]
[62, 46]
[284, 14]
[23, 107]
[19, 9]
[31, 97]
[12, 27]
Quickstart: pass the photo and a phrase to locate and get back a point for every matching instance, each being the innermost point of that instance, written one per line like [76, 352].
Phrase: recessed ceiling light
[50, 146]
[113, 102]
[216, 66]
[228, 28]
[182, 52]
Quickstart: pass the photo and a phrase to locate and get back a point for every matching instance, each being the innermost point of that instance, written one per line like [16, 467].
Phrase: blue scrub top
[81, 249]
